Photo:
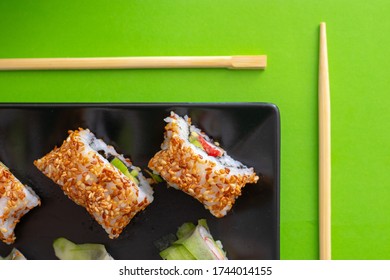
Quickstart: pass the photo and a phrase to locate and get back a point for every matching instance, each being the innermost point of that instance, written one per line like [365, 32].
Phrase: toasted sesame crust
[216, 186]
[109, 196]
[14, 193]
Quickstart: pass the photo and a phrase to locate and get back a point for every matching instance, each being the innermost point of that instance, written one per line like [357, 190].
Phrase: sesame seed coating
[92, 182]
[183, 167]
[16, 201]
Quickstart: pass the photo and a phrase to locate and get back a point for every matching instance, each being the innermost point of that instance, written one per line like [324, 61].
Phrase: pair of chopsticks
[231, 62]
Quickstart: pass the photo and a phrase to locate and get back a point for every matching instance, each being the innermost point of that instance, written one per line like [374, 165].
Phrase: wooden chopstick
[231, 62]
[324, 149]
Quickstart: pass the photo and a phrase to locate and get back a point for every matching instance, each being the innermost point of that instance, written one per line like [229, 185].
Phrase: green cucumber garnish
[67, 250]
[134, 172]
[155, 177]
[194, 140]
[123, 168]
[194, 243]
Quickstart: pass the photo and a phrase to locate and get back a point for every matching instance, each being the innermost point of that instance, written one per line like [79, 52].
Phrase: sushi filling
[201, 142]
[116, 160]
[131, 174]
[210, 148]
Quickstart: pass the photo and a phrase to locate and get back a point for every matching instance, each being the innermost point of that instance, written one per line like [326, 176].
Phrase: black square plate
[249, 132]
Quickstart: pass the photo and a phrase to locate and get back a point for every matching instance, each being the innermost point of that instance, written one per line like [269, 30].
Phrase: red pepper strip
[209, 149]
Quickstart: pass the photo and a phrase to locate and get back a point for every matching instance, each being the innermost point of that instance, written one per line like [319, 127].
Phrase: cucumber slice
[185, 230]
[194, 242]
[202, 245]
[134, 173]
[123, 168]
[67, 250]
[194, 140]
[120, 165]
[156, 178]
[176, 252]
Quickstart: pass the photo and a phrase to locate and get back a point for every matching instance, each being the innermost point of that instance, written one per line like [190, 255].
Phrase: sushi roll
[190, 161]
[95, 176]
[15, 201]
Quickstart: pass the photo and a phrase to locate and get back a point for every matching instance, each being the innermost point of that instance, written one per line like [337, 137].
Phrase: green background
[286, 31]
